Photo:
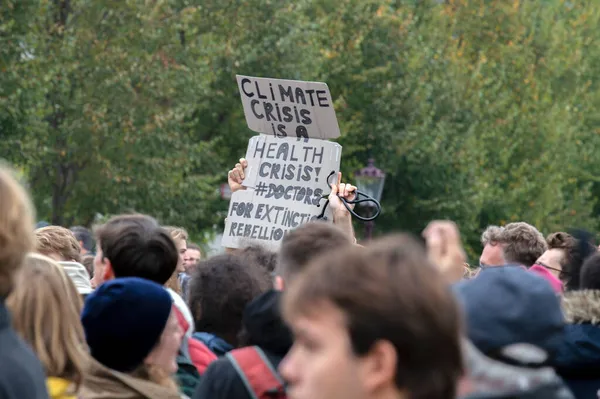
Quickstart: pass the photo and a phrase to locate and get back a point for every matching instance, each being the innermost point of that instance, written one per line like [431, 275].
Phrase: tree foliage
[481, 111]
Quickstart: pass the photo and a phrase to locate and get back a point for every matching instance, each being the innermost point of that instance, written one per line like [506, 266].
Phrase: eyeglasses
[552, 268]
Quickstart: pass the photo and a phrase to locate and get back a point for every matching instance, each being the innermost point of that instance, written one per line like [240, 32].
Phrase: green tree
[480, 111]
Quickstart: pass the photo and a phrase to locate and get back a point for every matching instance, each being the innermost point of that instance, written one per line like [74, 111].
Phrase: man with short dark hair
[137, 246]
[378, 322]
[134, 246]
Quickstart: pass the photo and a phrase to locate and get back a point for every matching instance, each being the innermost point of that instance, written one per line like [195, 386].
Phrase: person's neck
[389, 393]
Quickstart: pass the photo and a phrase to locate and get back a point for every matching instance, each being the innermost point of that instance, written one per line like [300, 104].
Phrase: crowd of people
[134, 310]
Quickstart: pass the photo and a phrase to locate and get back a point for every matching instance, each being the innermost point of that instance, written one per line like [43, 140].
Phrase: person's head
[180, 237]
[589, 278]
[259, 255]
[58, 243]
[561, 250]
[192, 256]
[88, 262]
[509, 305]
[372, 322]
[492, 254]
[16, 228]
[85, 238]
[131, 327]
[516, 243]
[45, 309]
[305, 243]
[134, 246]
[220, 289]
[584, 248]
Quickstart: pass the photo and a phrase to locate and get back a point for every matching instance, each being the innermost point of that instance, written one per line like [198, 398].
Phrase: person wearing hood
[514, 317]
[578, 356]
[263, 326]
[60, 244]
[134, 336]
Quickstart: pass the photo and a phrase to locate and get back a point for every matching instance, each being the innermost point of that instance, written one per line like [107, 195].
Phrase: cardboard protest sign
[288, 108]
[286, 180]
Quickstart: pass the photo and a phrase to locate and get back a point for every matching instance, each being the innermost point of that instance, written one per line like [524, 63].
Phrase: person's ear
[108, 274]
[279, 284]
[378, 368]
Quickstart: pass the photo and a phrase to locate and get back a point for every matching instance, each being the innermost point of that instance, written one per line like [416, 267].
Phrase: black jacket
[263, 328]
[578, 357]
[21, 374]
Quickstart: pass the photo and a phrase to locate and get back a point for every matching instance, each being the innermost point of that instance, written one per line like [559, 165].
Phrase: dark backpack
[257, 373]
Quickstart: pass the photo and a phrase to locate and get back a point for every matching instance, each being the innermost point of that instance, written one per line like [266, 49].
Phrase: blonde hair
[45, 309]
[16, 228]
[176, 233]
[156, 375]
[173, 283]
[57, 240]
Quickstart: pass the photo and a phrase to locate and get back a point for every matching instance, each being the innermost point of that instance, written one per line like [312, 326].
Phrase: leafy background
[480, 111]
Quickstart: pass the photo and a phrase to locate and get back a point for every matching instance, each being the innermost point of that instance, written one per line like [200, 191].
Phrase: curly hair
[220, 289]
[57, 241]
[259, 255]
[522, 243]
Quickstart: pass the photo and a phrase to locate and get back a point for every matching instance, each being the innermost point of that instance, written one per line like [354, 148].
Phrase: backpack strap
[256, 372]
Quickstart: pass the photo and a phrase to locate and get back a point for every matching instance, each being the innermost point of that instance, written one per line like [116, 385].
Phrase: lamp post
[370, 180]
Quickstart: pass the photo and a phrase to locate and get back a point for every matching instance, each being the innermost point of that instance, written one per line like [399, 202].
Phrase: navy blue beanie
[123, 321]
[509, 305]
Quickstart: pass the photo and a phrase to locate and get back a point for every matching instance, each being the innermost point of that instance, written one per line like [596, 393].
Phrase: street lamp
[370, 180]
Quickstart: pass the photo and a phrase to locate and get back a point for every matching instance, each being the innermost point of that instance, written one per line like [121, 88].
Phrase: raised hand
[343, 190]
[236, 176]
[445, 249]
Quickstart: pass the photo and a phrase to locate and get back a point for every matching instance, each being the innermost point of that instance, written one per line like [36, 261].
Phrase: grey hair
[492, 235]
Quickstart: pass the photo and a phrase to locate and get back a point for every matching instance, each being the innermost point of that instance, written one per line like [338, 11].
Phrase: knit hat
[123, 321]
[509, 305]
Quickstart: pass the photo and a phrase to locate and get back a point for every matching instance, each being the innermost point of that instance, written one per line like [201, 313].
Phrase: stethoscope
[356, 200]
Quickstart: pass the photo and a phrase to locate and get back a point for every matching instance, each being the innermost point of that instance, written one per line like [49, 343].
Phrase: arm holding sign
[341, 216]
[236, 176]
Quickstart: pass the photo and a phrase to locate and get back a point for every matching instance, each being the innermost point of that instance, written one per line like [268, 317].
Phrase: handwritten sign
[288, 108]
[286, 181]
